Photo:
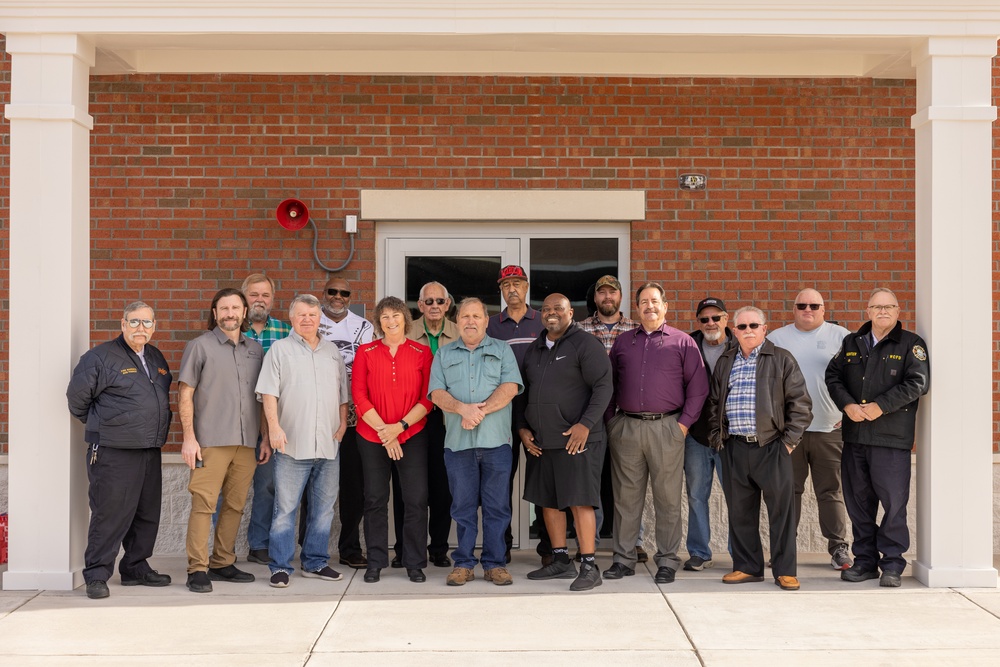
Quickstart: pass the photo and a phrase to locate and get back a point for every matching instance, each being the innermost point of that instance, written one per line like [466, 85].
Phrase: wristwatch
[402, 422]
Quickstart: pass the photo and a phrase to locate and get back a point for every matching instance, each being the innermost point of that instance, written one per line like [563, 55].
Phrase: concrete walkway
[695, 621]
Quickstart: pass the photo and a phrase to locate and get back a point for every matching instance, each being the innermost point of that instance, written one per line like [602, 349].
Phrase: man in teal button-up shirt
[473, 381]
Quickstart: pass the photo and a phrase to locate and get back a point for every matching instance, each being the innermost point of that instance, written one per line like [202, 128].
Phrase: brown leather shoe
[787, 583]
[499, 576]
[460, 575]
[737, 577]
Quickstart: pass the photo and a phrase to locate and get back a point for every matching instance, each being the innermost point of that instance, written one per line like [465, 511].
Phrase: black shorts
[558, 480]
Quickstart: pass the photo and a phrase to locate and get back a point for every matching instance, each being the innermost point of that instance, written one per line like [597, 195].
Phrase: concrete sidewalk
[695, 621]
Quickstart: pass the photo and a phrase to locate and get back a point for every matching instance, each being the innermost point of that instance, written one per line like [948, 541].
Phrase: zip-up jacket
[699, 429]
[566, 385]
[121, 406]
[782, 405]
[893, 374]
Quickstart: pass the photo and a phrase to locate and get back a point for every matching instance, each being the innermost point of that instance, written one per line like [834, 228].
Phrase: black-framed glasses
[752, 325]
[134, 323]
[439, 301]
[333, 291]
[810, 306]
[713, 318]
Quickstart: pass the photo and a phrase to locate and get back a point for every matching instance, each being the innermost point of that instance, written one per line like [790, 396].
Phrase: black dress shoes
[416, 575]
[372, 575]
[397, 561]
[618, 570]
[665, 575]
[151, 578]
[440, 560]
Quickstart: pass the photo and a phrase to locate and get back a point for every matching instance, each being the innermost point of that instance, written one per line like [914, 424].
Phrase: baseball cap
[608, 281]
[511, 271]
[710, 302]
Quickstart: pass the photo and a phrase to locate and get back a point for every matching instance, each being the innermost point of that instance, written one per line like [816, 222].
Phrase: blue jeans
[321, 478]
[699, 462]
[262, 509]
[474, 476]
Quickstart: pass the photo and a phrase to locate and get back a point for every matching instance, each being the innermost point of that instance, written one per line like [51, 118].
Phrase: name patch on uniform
[920, 353]
[852, 354]
[161, 371]
[897, 357]
[129, 371]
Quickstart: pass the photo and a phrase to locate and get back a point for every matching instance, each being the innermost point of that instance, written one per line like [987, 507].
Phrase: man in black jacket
[759, 408]
[121, 391]
[876, 379]
[560, 420]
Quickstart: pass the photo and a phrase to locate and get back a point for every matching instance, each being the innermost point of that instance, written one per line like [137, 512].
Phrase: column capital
[960, 47]
[52, 44]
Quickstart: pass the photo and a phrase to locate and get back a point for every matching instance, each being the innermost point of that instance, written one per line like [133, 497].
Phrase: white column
[954, 144]
[49, 306]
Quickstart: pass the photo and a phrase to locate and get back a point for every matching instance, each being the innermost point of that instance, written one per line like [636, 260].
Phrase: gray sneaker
[697, 564]
[590, 577]
[841, 558]
[554, 570]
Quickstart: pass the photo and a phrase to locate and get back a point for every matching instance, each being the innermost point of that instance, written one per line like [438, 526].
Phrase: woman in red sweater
[389, 388]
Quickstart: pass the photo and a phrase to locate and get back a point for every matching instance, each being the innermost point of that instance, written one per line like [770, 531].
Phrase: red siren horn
[292, 214]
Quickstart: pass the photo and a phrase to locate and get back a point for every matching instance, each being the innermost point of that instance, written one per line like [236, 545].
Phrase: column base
[954, 577]
[42, 581]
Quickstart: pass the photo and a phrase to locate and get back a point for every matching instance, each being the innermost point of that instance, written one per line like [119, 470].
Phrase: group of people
[334, 407]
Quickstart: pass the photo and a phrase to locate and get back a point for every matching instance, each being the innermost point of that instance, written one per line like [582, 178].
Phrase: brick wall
[810, 180]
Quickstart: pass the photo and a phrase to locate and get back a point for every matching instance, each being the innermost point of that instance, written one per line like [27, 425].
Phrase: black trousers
[125, 490]
[516, 448]
[749, 473]
[352, 495]
[873, 475]
[412, 468]
[438, 493]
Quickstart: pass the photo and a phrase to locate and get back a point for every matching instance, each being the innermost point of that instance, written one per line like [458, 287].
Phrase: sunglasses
[752, 325]
[439, 301]
[810, 306]
[135, 323]
[338, 292]
[713, 318]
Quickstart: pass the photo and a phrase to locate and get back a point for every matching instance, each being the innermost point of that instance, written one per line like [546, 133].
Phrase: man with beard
[121, 391]
[607, 324]
[259, 291]
[221, 419]
[560, 419]
[701, 462]
[519, 324]
[434, 330]
[349, 332]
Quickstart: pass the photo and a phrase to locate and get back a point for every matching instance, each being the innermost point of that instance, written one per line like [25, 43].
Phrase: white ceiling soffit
[538, 37]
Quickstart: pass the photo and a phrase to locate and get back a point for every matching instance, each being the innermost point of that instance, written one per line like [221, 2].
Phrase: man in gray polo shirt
[221, 419]
[303, 386]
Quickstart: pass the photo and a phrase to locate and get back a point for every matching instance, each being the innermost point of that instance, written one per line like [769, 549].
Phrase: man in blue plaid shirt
[758, 410]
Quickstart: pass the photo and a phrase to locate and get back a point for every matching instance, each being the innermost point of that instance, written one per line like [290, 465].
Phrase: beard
[230, 324]
[713, 335]
[607, 309]
[258, 313]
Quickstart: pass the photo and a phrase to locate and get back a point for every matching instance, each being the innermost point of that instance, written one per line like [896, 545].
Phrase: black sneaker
[640, 555]
[259, 556]
[198, 582]
[697, 564]
[279, 579]
[229, 573]
[326, 572]
[665, 575]
[890, 579]
[856, 573]
[617, 571]
[97, 590]
[554, 570]
[356, 561]
[590, 577]
[151, 578]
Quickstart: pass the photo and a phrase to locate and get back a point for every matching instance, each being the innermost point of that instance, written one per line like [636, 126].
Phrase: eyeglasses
[713, 318]
[439, 301]
[752, 325]
[135, 323]
[810, 306]
[338, 292]
[883, 309]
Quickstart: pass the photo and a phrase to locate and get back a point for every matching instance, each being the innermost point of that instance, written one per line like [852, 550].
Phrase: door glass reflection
[570, 267]
[462, 277]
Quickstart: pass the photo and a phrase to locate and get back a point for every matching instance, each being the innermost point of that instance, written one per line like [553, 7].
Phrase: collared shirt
[418, 331]
[518, 334]
[348, 334]
[471, 376]
[741, 403]
[391, 385]
[223, 375]
[310, 385]
[659, 371]
[273, 330]
[595, 326]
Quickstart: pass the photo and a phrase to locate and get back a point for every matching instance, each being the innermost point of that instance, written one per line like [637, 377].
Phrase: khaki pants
[228, 470]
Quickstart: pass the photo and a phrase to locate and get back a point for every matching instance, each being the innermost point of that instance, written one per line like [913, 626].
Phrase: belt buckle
[751, 438]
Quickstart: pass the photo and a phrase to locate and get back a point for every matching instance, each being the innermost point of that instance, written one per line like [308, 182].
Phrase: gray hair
[134, 306]
[883, 289]
[750, 309]
[434, 283]
[255, 278]
[307, 299]
[471, 301]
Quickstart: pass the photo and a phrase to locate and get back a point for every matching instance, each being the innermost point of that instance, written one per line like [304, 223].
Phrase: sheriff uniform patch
[920, 353]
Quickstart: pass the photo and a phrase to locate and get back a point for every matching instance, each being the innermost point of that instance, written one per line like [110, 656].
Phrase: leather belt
[744, 438]
[650, 416]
